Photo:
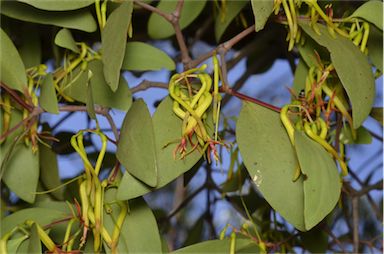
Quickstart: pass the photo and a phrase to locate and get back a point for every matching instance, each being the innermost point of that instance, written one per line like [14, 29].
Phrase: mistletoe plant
[287, 166]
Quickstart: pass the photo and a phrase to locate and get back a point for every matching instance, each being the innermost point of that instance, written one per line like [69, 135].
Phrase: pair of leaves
[353, 69]
[76, 19]
[138, 144]
[159, 28]
[271, 160]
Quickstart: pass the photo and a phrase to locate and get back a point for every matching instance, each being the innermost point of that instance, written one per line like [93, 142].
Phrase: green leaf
[159, 28]
[167, 129]
[102, 94]
[315, 240]
[42, 216]
[140, 56]
[30, 48]
[270, 160]
[12, 67]
[362, 135]
[22, 172]
[78, 19]
[64, 39]
[352, 68]
[217, 246]
[322, 181]
[49, 171]
[62, 5]
[371, 11]
[224, 19]
[377, 113]
[262, 9]
[114, 39]
[301, 73]
[13, 244]
[375, 44]
[136, 148]
[139, 224]
[48, 99]
[34, 241]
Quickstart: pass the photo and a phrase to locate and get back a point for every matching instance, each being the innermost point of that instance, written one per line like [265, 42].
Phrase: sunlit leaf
[140, 56]
[271, 161]
[371, 11]
[262, 9]
[136, 148]
[62, 5]
[48, 99]
[78, 19]
[223, 20]
[321, 182]
[159, 28]
[64, 39]
[167, 129]
[353, 69]
[12, 67]
[114, 39]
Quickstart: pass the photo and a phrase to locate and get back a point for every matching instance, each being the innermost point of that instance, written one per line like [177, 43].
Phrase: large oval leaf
[159, 28]
[371, 11]
[220, 246]
[270, 160]
[62, 5]
[262, 9]
[322, 182]
[101, 93]
[114, 39]
[140, 56]
[12, 67]
[22, 172]
[136, 148]
[167, 129]
[79, 19]
[224, 19]
[353, 69]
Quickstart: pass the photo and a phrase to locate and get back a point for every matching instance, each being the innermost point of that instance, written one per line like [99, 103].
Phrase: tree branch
[145, 84]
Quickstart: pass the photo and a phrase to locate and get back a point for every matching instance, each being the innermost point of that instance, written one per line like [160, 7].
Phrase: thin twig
[185, 202]
[16, 97]
[145, 84]
[355, 218]
[148, 7]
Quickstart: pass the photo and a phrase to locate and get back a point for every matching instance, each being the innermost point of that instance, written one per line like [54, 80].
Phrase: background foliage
[284, 172]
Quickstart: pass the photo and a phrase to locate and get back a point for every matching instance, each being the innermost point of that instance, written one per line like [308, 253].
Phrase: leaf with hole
[271, 160]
